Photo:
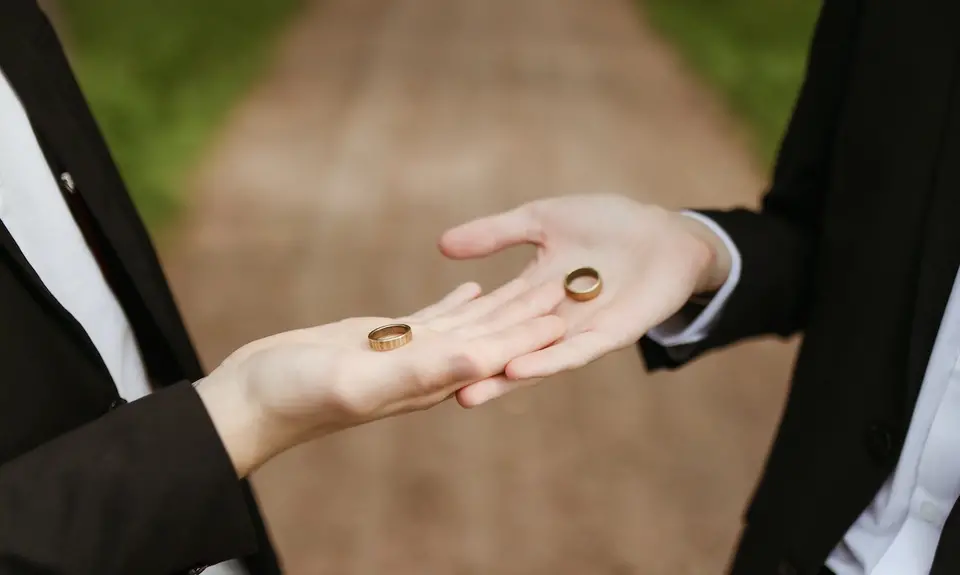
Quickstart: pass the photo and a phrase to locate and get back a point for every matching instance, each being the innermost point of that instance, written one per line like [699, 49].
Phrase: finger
[446, 368]
[495, 350]
[481, 392]
[534, 302]
[456, 298]
[485, 236]
[480, 307]
[567, 355]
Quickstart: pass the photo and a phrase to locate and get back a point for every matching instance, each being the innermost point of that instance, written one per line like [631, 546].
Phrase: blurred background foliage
[161, 75]
[753, 51]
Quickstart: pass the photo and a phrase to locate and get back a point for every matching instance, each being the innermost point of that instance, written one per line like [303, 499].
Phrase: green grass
[161, 75]
[753, 51]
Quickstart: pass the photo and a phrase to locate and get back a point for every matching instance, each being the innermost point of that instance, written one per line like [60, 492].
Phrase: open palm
[648, 258]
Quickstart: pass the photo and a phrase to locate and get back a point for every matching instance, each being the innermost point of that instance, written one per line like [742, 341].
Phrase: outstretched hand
[288, 388]
[651, 261]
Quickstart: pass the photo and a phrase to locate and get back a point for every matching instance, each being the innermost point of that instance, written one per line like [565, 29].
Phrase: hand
[651, 261]
[278, 392]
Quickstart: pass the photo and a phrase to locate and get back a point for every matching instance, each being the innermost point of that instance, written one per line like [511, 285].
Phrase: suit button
[786, 568]
[880, 443]
[117, 403]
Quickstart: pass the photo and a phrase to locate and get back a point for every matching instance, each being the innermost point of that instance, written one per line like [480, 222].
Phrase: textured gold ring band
[392, 336]
[583, 294]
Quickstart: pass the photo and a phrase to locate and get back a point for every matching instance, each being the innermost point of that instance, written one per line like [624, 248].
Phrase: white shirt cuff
[672, 333]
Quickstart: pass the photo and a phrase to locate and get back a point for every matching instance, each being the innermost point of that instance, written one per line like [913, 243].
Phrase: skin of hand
[286, 389]
[651, 261]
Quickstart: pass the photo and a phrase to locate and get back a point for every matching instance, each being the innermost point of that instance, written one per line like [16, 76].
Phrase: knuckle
[535, 232]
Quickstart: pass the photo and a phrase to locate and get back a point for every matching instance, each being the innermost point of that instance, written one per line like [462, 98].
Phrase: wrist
[252, 429]
[238, 421]
[718, 261]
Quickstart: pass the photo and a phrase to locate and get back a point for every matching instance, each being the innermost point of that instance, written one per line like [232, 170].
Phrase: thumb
[491, 234]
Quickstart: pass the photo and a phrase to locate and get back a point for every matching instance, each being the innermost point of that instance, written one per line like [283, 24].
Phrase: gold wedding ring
[392, 336]
[583, 294]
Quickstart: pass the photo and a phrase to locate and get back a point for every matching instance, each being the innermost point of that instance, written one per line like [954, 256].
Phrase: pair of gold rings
[394, 335]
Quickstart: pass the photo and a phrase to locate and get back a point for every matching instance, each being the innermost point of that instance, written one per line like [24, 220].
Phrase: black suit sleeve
[778, 243]
[146, 489]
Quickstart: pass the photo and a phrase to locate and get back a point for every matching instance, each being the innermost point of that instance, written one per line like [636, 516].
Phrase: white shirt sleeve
[674, 333]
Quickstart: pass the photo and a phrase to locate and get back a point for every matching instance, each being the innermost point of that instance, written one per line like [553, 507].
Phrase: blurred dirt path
[383, 122]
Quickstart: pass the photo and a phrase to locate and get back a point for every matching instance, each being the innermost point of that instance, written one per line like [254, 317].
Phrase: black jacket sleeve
[778, 243]
[146, 489]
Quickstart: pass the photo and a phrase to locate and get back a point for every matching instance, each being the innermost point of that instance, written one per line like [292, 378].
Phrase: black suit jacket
[89, 485]
[856, 245]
